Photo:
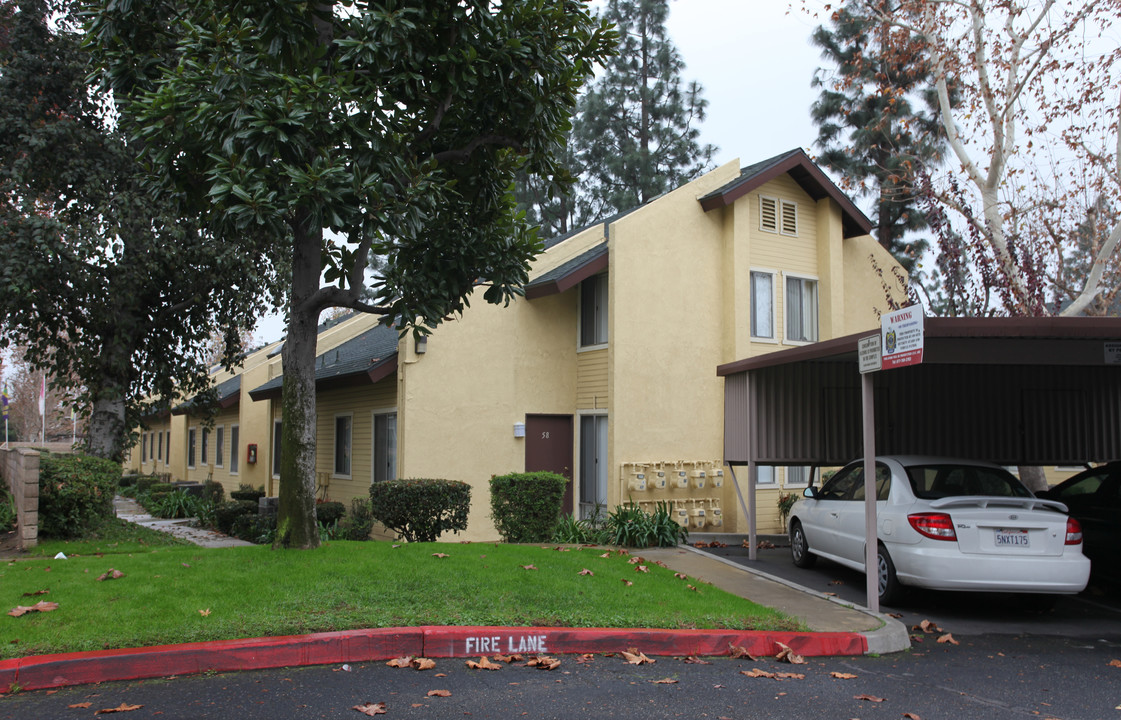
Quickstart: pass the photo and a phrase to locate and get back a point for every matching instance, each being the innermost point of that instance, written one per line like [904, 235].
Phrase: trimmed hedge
[328, 512]
[75, 493]
[226, 514]
[247, 492]
[144, 483]
[419, 509]
[525, 507]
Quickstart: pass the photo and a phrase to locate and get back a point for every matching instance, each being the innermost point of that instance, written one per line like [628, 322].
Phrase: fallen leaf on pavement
[634, 657]
[664, 681]
[423, 663]
[927, 627]
[120, 708]
[789, 676]
[739, 651]
[785, 654]
[765, 545]
[543, 662]
[911, 716]
[895, 615]
[41, 606]
[80, 706]
[694, 660]
[1115, 663]
[439, 693]
[508, 658]
[371, 709]
[483, 664]
[869, 698]
[756, 672]
[947, 638]
[842, 676]
[401, 662]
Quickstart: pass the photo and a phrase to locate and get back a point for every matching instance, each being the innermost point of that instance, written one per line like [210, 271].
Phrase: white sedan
[943, 524]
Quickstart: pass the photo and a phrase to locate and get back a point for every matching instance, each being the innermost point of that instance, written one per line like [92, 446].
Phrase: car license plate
[1012, 538]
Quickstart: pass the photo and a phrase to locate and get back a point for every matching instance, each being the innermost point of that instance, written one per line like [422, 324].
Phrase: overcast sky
[755, 61]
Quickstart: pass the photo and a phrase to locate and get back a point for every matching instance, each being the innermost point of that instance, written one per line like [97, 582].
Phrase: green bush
[357, 524]
[127, 480]
[631, 526]
[7, 510]
[525, 507]
[228, 512]
[75, 493]
[259, 529]
[213, 492]
[174, 504]
[570, 531]
[327, 513]
[161, 487]
[144, 483]
[419, 510]
[247, 492]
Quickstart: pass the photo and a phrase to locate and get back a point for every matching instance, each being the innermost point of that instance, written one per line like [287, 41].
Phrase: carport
[1015, 391]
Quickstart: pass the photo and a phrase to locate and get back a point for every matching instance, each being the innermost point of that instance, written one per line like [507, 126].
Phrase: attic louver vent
[789, 218]
[768, 214]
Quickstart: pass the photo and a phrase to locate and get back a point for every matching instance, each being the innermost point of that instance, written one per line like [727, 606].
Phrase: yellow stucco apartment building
[605, 371]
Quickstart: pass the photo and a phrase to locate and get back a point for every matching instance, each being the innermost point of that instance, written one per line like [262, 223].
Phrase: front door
[548, 447]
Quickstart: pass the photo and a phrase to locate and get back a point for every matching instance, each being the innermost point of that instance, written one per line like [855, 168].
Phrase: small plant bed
[176, 595]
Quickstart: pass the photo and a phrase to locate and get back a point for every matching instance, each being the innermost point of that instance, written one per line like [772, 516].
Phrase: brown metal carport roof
[1016, 391]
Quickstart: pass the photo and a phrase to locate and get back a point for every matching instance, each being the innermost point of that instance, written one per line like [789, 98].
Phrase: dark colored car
[1094, 499]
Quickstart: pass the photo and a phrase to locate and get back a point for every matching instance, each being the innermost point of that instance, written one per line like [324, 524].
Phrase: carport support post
[871, 553]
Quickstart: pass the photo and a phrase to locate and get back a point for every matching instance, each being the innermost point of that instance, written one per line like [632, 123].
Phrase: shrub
[571, 531]
[213, 492]
[525, 506]
[259, 529]
[174, 504]
[419, 510]
[161, 487]
[357, 523]
[227, 513]
[127, 480]
[75, 493]
[631, 526]
[247, 492]
[144, 483]
[7, 510]
[327, 513]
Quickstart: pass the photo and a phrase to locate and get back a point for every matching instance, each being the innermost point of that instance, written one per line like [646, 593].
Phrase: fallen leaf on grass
[606, 554]
[927, 627]
[681, 576]
[37, 592]
[80, 706]
[205, 613]
[739, 651]
[439, 693]
[585, 571]
[543, 662]
[641, 568]
[948, 638]
[693, 588]
[110, 574]
[785, 654]
[529, 567]
[440, 555]
[664, 681]
[635, 560]
[869, 698]
[634, 657]
[483, 664]
[371, 709]
[120, 708]
[41, 606]
[627, 582]
[842, 676]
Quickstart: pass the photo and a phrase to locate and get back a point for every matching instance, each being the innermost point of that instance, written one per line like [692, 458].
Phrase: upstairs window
[762, 304]
[342, 445]
[593, 311]
[801, 310]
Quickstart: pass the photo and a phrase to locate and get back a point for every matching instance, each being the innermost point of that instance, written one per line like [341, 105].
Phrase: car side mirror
[810, 492]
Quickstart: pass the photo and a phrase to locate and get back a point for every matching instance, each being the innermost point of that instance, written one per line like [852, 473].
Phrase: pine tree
[875, 140]
[635, 134]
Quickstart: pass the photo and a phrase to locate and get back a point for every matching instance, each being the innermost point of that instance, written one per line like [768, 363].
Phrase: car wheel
[890, 588]
[799, 548]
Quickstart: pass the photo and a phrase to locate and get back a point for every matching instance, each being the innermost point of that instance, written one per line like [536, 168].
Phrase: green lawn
[255, 591]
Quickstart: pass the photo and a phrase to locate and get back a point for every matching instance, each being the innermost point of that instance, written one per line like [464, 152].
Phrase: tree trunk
[106, 430]
[296, 525]
[1032, 476]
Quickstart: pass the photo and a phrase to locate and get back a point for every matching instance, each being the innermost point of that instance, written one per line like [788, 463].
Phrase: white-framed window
[797, 476]
[593, 312]
[763, 305]
[276, 435]
[385, 446]
[219, 446]
[801, 309]
[234, 457]
[204, 455]
[764, 474]
[191, 448]
[778, 216]
[342, 445]
[593, 464]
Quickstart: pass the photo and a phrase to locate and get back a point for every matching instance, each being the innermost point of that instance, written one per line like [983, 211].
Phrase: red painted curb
[50, 671]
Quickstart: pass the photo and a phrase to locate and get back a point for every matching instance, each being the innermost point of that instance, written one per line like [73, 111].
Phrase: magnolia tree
[1028, 102]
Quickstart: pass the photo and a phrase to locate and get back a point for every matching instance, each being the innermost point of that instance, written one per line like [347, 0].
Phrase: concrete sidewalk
[131, 511]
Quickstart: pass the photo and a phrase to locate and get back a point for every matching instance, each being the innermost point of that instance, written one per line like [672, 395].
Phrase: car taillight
[1074, 532]
[937, 526]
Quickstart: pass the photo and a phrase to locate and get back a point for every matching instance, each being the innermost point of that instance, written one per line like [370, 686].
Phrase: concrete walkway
[131, 511]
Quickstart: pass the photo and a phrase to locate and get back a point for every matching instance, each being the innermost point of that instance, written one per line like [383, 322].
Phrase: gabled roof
[364, 359]
[571, 273]
[804, 172]
[228, 394]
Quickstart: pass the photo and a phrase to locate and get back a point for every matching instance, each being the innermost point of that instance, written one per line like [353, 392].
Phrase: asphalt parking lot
[1093, 614]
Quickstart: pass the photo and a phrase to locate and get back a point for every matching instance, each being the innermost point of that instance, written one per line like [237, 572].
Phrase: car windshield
[931, 482]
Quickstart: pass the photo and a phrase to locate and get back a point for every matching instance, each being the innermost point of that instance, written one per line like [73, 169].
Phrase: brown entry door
[548, 446]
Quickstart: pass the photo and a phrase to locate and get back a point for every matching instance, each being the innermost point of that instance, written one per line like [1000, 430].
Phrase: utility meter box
[698, 478]
[657, 480]
[681, 480]
[697, 517]
[637, 482]
[681, 515]
[716, 517]
[717, 478]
